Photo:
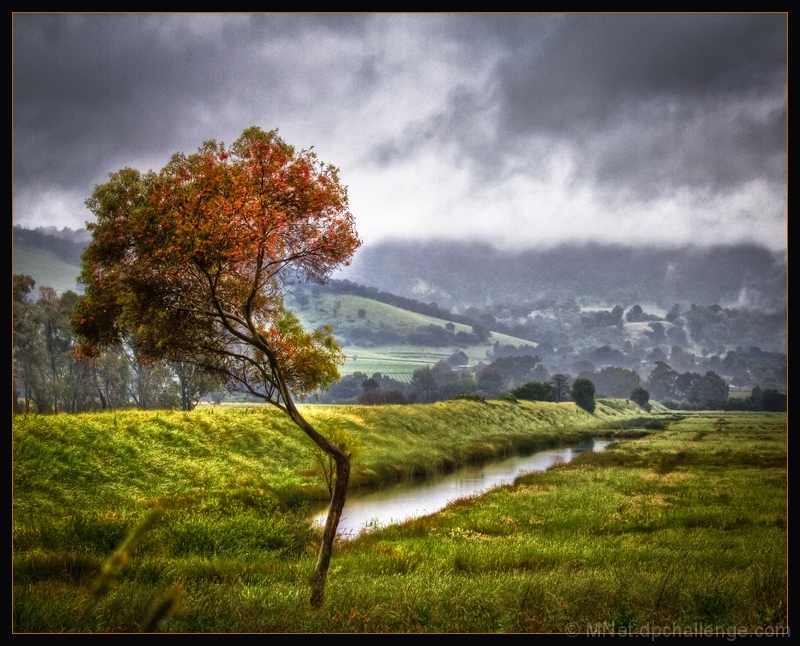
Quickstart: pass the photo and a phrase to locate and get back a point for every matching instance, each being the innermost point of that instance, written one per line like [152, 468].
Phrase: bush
[772, 400]
[583, 394]
[641, 397]
[535, 391]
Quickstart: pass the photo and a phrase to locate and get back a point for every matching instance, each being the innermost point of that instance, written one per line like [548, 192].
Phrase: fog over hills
[457, 275]
[580, 307]
[460, 275]
[66, 244]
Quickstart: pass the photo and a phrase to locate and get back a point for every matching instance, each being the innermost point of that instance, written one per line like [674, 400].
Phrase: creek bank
[364, 481]
[412, 499]
[413, 442]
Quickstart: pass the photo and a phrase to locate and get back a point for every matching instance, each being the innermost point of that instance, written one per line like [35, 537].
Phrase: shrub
[535, 391]
[641, 397]
[583, 394]
[772, 400]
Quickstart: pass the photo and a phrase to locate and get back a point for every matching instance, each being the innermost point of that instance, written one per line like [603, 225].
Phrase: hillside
[47, 269]
[459, 275]
[378, 337]
[225, 447]
[580, 309]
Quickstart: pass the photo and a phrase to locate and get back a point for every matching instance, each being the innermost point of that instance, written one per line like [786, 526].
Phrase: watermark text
[606, 629]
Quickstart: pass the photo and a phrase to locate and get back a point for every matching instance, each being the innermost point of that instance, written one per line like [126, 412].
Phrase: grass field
[397, 362]
[683, 527]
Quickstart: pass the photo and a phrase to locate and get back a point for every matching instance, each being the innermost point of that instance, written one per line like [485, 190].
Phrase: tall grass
[685, 525]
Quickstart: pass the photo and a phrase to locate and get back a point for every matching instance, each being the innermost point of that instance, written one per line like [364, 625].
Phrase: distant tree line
[431, 335]
[766, 400]
[525, 378]
[47, 377]
[688, 389]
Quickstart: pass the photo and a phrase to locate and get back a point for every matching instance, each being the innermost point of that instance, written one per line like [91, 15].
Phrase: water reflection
[412, 499]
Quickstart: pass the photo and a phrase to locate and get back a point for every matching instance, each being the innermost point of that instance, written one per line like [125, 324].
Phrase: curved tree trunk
[329, 533]
[338, 496]
[342, 476]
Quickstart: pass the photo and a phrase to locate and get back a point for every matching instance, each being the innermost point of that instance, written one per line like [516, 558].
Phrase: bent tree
[194, 261]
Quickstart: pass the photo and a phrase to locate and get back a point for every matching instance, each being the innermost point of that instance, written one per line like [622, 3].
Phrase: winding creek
[407, 500]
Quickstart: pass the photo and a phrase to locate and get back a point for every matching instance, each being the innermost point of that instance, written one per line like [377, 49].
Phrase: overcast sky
[519, 130]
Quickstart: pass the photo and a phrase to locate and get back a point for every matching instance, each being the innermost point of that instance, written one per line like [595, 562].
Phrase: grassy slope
[684, 526]
[398, 361]
[46, 269]
[130, 459]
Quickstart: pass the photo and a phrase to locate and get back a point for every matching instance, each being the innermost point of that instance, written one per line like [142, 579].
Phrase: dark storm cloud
[655, 102]
[651, 102]
[702, 93]
[601, 69]
[126, 85]
[103, 81]
[527, 128]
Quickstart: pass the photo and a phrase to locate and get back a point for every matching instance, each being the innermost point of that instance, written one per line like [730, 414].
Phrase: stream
[410, 499]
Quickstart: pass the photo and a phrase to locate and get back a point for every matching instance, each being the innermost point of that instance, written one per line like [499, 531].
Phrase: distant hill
[558, 304]
[376, 336]
[458, 275]
[379, 337]
[52, 257]
[66, 244]
[46, 268]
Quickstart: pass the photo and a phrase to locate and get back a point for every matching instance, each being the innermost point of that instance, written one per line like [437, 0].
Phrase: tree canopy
[535, 391]
[194, 260]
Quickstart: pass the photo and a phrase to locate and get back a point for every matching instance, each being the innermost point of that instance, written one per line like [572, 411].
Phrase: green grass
[682, 527]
